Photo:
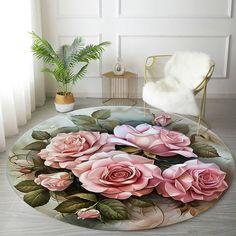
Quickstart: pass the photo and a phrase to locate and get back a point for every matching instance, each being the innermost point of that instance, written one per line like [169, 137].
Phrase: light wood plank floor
[17, 218]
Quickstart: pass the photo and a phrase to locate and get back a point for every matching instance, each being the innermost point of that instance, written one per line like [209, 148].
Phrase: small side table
[120, 89]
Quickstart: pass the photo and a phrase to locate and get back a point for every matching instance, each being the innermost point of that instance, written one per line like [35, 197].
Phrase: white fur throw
[174, 93]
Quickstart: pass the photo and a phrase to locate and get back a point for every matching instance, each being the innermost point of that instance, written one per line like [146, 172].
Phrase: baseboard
[219, 96]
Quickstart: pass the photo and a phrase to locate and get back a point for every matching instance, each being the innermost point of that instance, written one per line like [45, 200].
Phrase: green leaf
[92, 127]
[27, 186]
[193, 138]
[204, 150]
[40, 135]
[64, 130]
[109, 125]
[36, 146]
[43, 50]
[68, 56]
[166, 162]
[182, 128]
[131, 150]
[83, 120]
[82, 72]
[74, 188]
[37, 198]
[73, 205]
[113, 209]
[135, 123]
[86, 196]
[101, 114]
[150, 155]
[33, 156]
[44, 170]
[200, 137]
[140, 202]
[90, 52]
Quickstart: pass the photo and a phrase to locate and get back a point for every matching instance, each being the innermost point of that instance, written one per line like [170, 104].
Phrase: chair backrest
[155, 67]
[155, 70]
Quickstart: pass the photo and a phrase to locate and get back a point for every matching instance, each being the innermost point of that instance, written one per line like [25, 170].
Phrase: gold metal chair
[154, 70]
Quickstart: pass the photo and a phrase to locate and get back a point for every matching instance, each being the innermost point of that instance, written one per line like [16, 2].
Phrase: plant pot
[64, 103]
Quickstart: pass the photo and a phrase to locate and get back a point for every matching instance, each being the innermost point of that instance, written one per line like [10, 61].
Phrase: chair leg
[202, 113]
[204, 103]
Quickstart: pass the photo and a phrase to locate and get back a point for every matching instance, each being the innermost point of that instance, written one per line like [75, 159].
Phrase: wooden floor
[17, 218]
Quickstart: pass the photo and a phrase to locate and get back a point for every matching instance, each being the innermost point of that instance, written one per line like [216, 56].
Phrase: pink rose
[153, 139]
[118, 175]
[193, 180]
[86, 213]
[56, 181]
[67, 150]
[163, 120]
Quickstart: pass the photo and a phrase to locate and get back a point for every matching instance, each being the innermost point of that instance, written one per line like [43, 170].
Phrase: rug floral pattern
[120, 168]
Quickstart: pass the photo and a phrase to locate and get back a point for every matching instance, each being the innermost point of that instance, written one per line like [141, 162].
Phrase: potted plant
[62, 65]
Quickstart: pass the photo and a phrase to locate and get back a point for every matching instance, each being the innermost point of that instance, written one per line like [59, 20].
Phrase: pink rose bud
[55, 182]
[163, 120]
[86, 213]
[25, 170]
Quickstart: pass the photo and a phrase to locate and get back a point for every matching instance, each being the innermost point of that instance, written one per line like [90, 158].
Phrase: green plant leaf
[140, 202]
[37, 198]
[36, 146]
[109, 125]
[27, 186]
[150, 155]
[68, 56]
[135, 123]
[130, 149]
[73, 205]
[102, 114]
[33, 156]
[204, 150]
[64, 130]
[40, 135]
[92, 127]
[82, 72]
[193, 138]
[200, 138]
[43, 50]
[67, 52]
[86, 196]
[166, 162]
[90, 52]
[45, 170]
[113, 209]
[83, 120]
[182, 128]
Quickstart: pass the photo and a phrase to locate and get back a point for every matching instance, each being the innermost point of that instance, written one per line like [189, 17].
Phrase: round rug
[120, 168]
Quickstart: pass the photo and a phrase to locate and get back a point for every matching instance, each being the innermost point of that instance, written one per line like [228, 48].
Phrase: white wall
[139, 28]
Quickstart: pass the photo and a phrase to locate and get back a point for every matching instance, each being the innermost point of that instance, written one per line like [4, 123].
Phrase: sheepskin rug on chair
[174, 93]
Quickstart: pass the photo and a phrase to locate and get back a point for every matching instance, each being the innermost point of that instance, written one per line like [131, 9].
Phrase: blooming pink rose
[86, 213]
[163, 120]
[193, 180]
[118, 175]
[56, 181]
[67, 150]
[153, 139]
